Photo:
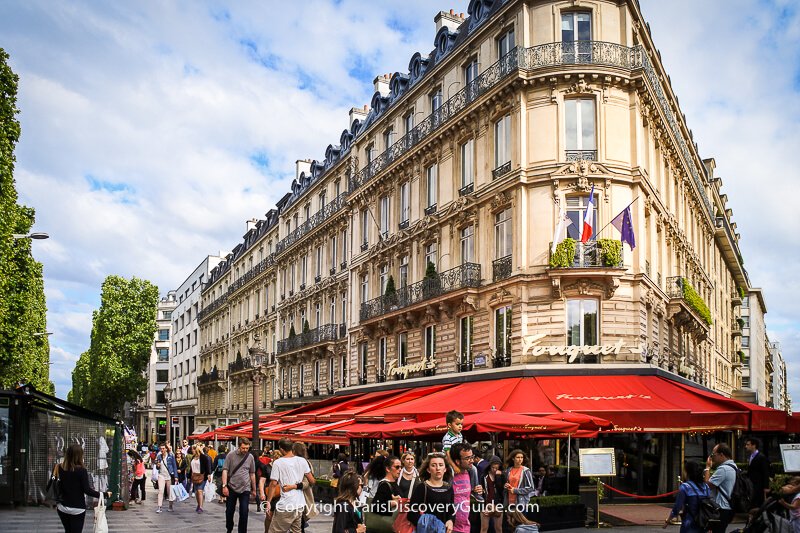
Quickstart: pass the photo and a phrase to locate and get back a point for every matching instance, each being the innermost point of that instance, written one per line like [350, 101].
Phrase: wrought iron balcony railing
[239, 365]
[316, 220]
[502, 170]
[330, 332]
[210, 377]
[251, 274]
[501, 268]
[675, 287]
[579, 155]
[463, 276]
[431, 209]
[469, 188]
[213, 306]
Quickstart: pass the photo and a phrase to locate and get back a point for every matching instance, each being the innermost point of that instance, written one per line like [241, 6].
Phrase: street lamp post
[37, 235]
[167, 398]
[257, 355]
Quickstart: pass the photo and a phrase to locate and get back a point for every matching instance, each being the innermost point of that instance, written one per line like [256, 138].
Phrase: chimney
[451, 20]
[359, 113]
[303, 165]
[382, 84]
[251, 224]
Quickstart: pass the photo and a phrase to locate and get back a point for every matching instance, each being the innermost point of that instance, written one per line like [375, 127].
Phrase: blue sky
[135, 115]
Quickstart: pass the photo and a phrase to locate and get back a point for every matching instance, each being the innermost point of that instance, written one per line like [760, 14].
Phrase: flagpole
[610, 221]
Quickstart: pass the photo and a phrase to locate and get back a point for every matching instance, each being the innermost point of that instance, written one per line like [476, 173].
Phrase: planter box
[560, 517]
[323, 493]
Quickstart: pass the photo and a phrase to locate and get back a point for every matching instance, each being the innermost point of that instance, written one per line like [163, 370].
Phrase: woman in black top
[435, 495]
[387, 495]
[74, 481]
[182, 463]
[346, 516]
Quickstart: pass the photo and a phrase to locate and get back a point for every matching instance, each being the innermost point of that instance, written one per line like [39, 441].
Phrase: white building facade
[185, 348]
[150, 420]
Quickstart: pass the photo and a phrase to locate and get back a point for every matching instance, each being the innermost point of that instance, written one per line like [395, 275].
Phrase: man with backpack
[721, 483]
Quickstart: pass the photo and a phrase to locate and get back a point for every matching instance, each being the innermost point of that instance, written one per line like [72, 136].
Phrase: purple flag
[624, 225]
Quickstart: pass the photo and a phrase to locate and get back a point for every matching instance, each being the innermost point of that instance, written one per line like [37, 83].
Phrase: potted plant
[390, 293]
[564, 256]
[431, 284]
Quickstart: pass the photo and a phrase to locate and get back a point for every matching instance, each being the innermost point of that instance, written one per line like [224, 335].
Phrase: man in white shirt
[287, 479]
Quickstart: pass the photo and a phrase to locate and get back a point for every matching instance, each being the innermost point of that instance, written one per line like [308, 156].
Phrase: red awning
[793, 423]
[472, 397]
[627, 401]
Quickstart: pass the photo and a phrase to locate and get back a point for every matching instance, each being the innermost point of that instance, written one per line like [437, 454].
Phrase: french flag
[588, 222]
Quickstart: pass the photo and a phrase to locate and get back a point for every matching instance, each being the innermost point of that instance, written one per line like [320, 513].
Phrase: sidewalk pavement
[632, 518]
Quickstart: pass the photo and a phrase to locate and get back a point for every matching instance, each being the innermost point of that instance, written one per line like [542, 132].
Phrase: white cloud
[139, 121]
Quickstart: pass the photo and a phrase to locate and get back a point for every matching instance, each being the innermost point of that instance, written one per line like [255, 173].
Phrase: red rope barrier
[636, 495]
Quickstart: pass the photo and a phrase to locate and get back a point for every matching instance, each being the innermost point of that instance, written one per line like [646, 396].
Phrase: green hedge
[696, 302]
[564, 256]
[556, 501]
[610, 252]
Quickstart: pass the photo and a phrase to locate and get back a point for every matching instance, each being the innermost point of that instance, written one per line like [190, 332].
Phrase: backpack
[741, 497]
[708, 515]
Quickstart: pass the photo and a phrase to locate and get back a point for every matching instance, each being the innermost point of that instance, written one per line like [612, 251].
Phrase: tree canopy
[24, 347]
[111, 371]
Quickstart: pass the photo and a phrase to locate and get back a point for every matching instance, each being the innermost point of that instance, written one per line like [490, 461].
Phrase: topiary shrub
[390, 290]
[610, 252]
[564, 256]
[696, 302]
[291, 331]
[306, 327]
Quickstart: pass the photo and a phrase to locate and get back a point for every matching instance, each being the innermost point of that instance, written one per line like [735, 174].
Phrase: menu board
[791, 457]
[597, 462]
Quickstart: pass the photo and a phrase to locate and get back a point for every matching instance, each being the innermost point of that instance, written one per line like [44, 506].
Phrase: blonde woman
[201, 473]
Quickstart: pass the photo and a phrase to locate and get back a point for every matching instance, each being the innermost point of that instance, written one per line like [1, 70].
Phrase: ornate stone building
[423, 243]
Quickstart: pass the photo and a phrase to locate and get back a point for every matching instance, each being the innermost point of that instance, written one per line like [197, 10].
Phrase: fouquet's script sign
[427, 363]
[531, 345]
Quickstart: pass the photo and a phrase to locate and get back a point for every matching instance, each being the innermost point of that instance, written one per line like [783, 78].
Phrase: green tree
[24, 350]
[111, 372]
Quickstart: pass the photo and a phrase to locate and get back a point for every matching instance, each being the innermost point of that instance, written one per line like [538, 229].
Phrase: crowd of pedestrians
[451, 490]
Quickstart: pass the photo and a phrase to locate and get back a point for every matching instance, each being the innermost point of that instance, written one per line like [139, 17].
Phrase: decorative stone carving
[500, 200]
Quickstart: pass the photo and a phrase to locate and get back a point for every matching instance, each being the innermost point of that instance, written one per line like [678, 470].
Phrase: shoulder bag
[52, 494]
[379, 523]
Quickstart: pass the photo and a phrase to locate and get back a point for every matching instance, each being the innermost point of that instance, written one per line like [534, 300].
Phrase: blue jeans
[230, 507]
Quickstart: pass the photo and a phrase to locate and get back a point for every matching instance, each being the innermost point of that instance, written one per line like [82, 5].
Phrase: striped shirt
[449, 439]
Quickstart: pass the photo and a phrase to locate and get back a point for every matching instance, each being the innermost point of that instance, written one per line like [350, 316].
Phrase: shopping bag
[179, 492]
[210, 494]
[100, 522]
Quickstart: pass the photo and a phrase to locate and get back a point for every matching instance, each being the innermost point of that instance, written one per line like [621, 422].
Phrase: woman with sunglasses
[387, 495]
[431, 503]
[346, 515]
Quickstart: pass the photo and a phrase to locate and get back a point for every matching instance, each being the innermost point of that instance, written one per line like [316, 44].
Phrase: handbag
[52, 493]
[380, 523]
[100, 522]
[197, 478]
[401, 523]
[335, 483]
